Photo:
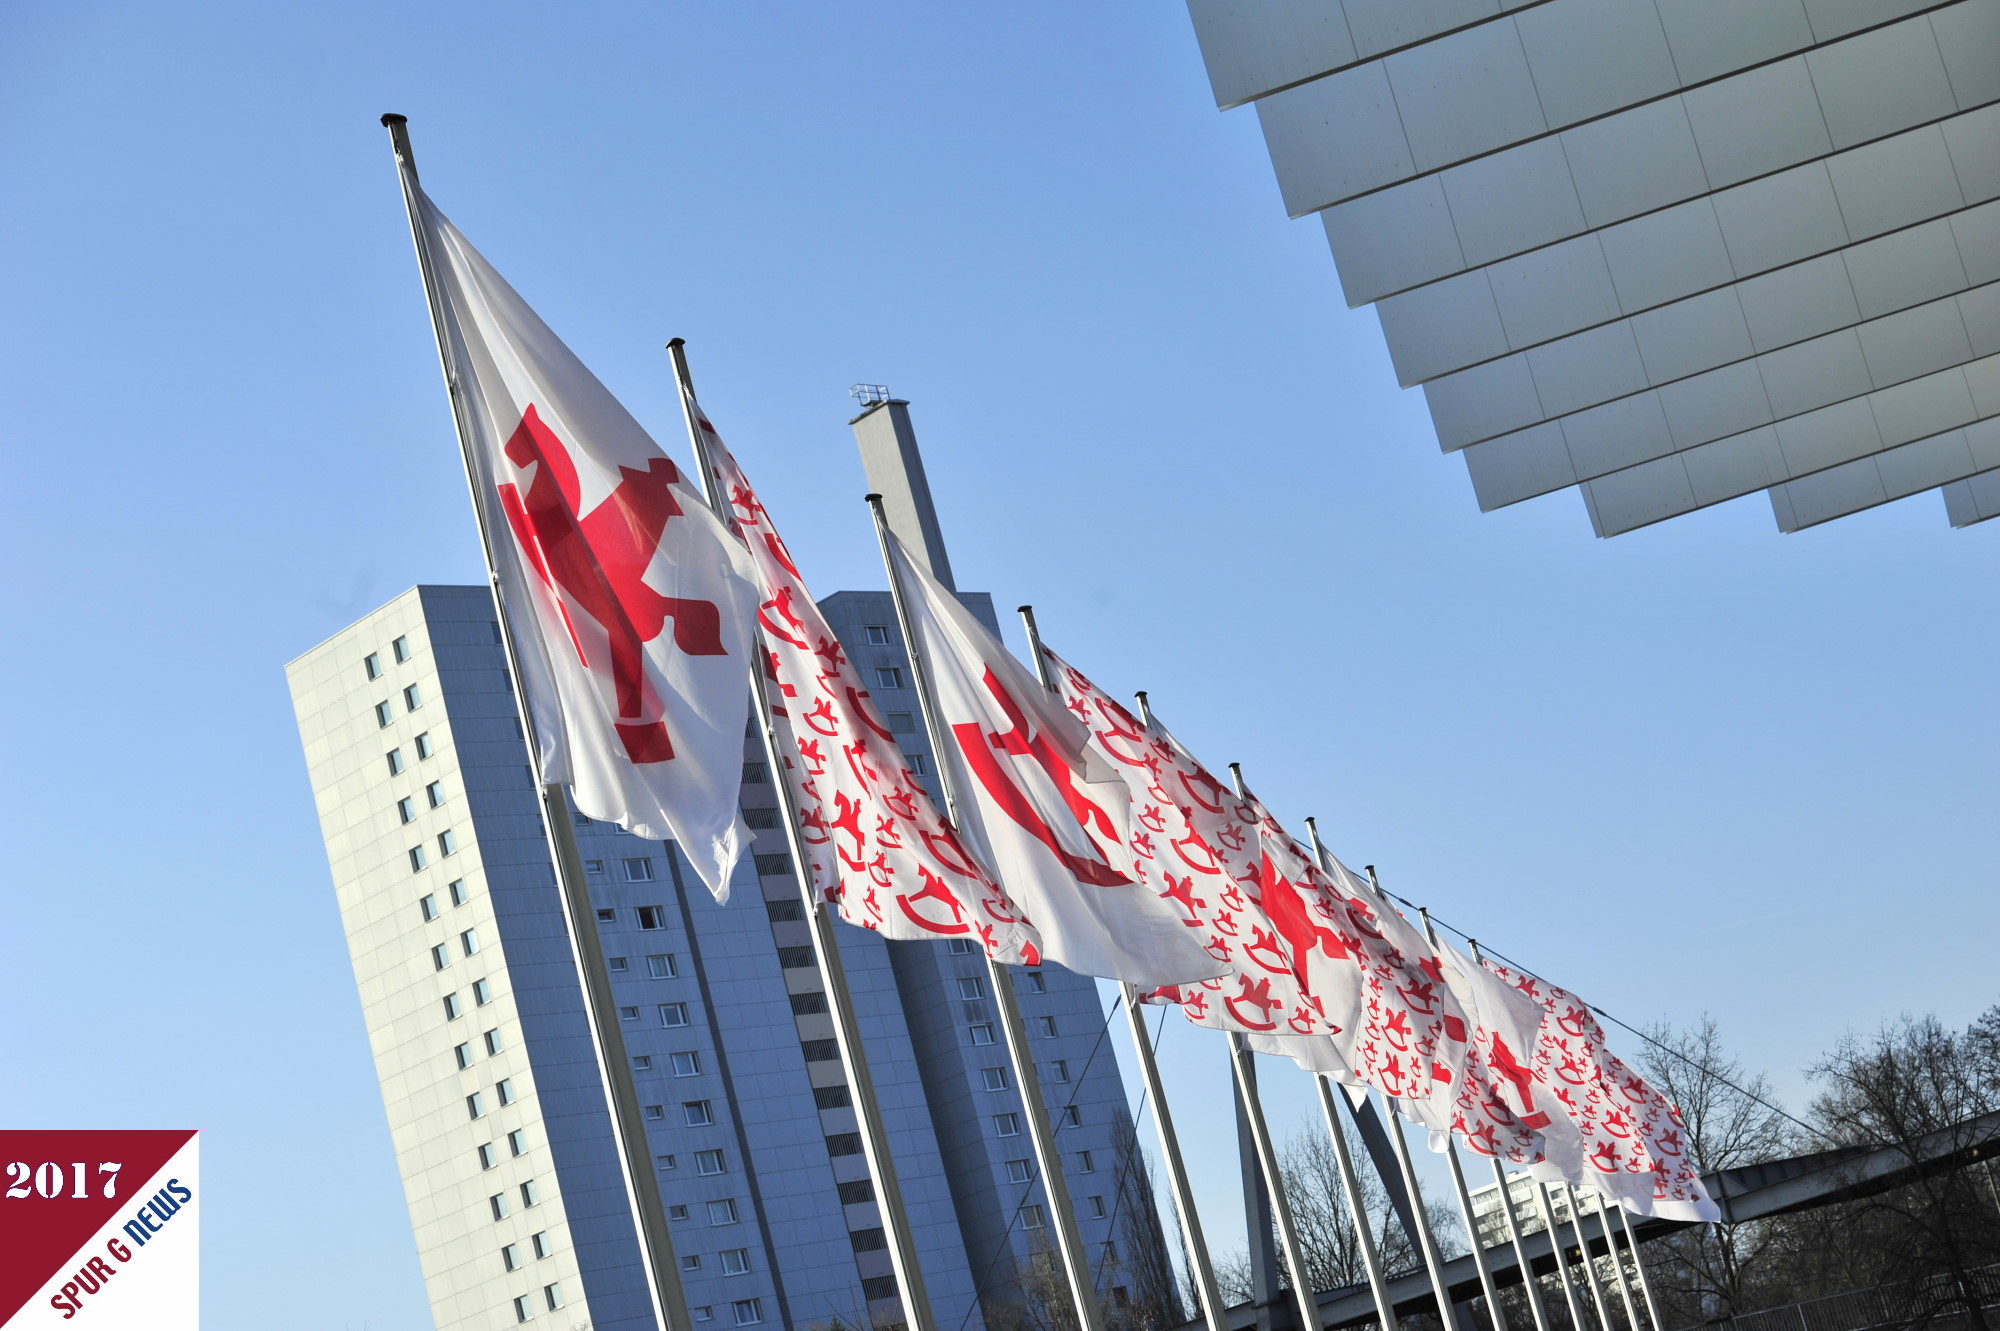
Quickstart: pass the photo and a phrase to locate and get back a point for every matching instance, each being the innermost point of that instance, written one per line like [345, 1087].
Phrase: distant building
[1668, 252]
[475, 1016]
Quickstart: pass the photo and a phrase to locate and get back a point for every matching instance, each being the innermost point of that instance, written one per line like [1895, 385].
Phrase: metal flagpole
[1069, 1241]
[1494, 1311]
[1371, 1259]
[1433, 1264]
[1589, 1262]
[1617, 1262]
[1555, 1246]
[1529, 1281]
[614, 1068]
[1200, 1267]
[1639, 1265]
[826, 946]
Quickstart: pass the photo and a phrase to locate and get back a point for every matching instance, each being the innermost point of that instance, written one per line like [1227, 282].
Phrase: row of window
[463, 1053]
[694, 1114]
[981, 1032]
[531, 1196]
[489, 1154]
[636, 870]
[447, 844]
[468, 943]
[973, 986]
[1009, 1125]
[745, 1312]
[722, 1212]
[456, 889]
[413, 698]
[650, 917]
[732, 1261]
[406, 807]
[482, 994]
[671, 1014]
[503, 1090]
[539, 1243]
[705, 1162]
[426, 749]
[524, 1306]
[372, 663]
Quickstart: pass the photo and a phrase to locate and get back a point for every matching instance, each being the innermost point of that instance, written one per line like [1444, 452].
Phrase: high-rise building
[475, 1015]
[1667, 252]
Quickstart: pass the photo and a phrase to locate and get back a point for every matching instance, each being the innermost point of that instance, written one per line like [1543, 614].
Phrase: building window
[888, 677]
[820, 1051]
[687, 1063]
[510, 1257]
[424, 746]
[773, 866]
[419, 858]
[747, 1312]
[962, 946]
[580, 819]
[1095, 1206]
[662, 967]
[468, 941]
[832, 1097]
[1084, 1164]
[857, 1192]
[917, 764]
[505, 1090]
[530, 1194]
[878, 636]
[843, 1143]
[676, 1212]
[384, 714]
[428, 905]
[406, 809]
[463, 1053]
[691, 1262]
[542, 1244]
[1109, 1252]
[453, 1009]
[876, 1288]
[1031, 1217]
[652, 917]
[755, 774]
[789, 911]
[642, 1062]
[523, 1309]
[710, 1162]
[447, 842]
[795, 958]
[981, 1032]
[593, 866]
[401, 648]
[1006, 1125]
[434, 792]
[1045, 1027]
[498, 1204]
[970, 987]
[809, 1003]
[722, 1212]
[395, 762]
[552, 1295]
[1120, 1297]
[482, 992]
[704, 1313]
[1032, 982]
[440, 957]
[617, 964]
[372, 663]
[628, 1014]
[1019, 1171]
[665, 1162]
[459, 893]
[673, 1014]
[1072, 1117]
[656, 1113]
[412, 699]
[735, 1261]
[760, 820]
[993, 1079]
[607, 915]
[492, 1039]
[517, 1142]
[488, 1157]
[639, 871]
[868, 1240]
[902, 723]
[697, 1113]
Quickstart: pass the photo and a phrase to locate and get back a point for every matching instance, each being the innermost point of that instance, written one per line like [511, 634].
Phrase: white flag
[1036, 807]
[630, 602]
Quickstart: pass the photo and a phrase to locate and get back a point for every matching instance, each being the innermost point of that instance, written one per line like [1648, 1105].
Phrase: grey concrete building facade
[1666, 252]
[475, 1018]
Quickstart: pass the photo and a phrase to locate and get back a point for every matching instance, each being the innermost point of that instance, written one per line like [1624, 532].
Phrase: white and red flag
[1630, 1142]
[1503, 1109]
[876, 846]
[630, 602]
[1035, 805]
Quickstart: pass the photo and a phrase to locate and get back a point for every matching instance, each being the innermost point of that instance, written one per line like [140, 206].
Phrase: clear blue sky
[1702, 767]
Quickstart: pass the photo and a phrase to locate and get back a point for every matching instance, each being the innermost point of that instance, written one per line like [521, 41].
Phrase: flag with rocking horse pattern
[876, 846]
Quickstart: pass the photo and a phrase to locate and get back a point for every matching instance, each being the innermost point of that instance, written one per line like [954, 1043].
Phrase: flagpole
[1240, 1063]
[1529, 1281]
[1493, 1308]
[1350, 1183]
[1639, 1265]
[1555, 1246]
[614, 1068]
[826, 946]
[1055, 1186]
[1589, 1262]
[1201, 1268]
[1617, 1262]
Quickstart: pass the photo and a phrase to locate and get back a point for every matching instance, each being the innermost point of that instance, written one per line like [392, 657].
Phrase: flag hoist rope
[614, 1068]
[826, 951]
[1069, 1241]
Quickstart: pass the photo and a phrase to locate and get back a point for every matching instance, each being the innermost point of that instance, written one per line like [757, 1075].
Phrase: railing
[1896, 1305]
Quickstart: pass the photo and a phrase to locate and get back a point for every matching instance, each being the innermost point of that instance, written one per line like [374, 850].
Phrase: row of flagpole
[641, 1183]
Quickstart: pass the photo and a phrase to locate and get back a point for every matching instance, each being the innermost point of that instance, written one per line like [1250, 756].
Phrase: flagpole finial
[871, 499]
[399, 138]
[673, 342]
